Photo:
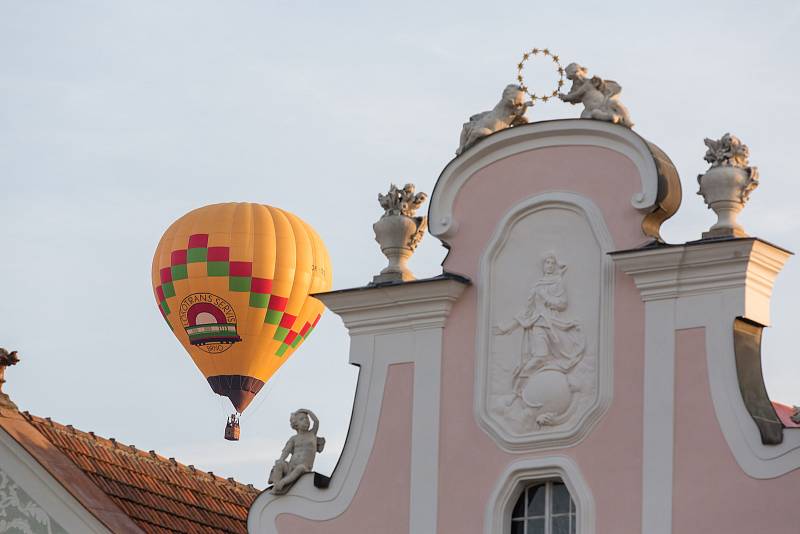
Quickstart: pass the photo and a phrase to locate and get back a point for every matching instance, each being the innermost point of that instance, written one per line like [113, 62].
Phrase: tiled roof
[159, 494]
[785, 413]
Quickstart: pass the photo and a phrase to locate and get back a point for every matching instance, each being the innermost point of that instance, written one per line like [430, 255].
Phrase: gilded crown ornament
[600, 99]
[545, 53]
[513, 105]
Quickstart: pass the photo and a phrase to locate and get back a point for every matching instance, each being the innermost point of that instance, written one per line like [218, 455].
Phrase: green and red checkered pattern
[240, 278]
[292, 338]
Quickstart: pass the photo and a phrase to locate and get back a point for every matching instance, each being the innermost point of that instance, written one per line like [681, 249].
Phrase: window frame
[526, 472]
[548, 515]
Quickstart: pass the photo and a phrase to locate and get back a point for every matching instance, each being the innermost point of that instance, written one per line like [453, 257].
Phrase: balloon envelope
[233, 283]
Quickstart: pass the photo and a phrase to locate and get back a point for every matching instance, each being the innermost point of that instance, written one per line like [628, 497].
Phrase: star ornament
[521, 66]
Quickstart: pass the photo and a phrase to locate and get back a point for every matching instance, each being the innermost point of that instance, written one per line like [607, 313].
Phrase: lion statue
[510, 111]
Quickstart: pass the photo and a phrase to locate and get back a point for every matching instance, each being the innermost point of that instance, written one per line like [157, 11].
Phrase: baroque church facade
[567, 372]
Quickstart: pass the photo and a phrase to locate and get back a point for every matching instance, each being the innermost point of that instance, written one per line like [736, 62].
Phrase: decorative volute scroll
[657, 198]
[727, 184]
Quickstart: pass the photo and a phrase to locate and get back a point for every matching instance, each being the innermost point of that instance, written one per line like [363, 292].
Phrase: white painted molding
[45, 490]
[523, 472]
[569, 132]
[570, 434]
[388, 325]
[706, 285]
[699, 268]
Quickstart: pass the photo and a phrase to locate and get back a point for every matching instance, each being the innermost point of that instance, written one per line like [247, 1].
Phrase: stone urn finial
[727, 184]
[398, 231]
[7, 359]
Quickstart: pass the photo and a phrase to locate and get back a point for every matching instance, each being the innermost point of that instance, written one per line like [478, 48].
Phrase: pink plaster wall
[710, 492]
[381, 502]
[610, 456]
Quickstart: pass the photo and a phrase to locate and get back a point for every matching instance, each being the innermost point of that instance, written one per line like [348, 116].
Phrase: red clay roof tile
[161, 495]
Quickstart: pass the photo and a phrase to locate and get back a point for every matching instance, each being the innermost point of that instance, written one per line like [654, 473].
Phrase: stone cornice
[707, 266]
[396, 307]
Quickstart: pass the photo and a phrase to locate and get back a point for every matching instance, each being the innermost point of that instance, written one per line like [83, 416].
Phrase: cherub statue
[303, 447]
[510, 111]
[600, 98]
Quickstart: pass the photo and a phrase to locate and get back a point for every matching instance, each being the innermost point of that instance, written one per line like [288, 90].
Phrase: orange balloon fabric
[233, 282]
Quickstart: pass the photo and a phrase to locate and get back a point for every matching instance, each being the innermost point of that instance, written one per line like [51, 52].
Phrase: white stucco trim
[570, 434]
[705, 285]
[45, 490]
[388, 325]
[508, 487]
[568, 132]
[658, 429]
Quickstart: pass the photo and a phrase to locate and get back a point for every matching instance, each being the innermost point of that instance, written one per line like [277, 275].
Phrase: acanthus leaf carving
[18, 512]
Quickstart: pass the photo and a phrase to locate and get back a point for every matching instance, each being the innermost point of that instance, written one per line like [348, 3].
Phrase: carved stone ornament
[545, 324]
[6, 359]
[543, 382]
[303, 448]
[600, 98]
[510, 111]
[727, 184]
[399, 231]
[20, 513]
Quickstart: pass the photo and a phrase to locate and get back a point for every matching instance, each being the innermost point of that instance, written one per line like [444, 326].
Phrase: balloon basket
[232, 428]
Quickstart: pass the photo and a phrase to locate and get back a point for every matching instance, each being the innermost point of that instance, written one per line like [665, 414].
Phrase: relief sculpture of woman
[552, 345]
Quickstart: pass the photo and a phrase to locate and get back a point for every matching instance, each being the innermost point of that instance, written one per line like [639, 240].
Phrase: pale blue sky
[118, 117]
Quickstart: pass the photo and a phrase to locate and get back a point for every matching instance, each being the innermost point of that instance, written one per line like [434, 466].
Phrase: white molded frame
[523, 472]
[571, 434]
[569, 132]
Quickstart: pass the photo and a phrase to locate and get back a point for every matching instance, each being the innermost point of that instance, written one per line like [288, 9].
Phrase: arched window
[544, 508]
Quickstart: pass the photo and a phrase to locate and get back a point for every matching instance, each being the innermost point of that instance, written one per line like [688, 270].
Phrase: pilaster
[388, 324]
[708, 284]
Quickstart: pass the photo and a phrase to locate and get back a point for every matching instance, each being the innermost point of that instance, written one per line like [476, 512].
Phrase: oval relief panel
[545, 323]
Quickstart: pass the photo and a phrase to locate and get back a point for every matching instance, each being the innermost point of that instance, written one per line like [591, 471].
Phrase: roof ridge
[151, 456]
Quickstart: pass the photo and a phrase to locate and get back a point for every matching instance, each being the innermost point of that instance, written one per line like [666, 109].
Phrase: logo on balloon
[210, 322]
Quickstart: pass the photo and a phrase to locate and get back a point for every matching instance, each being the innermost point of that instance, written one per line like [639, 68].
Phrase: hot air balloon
[233, 282]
